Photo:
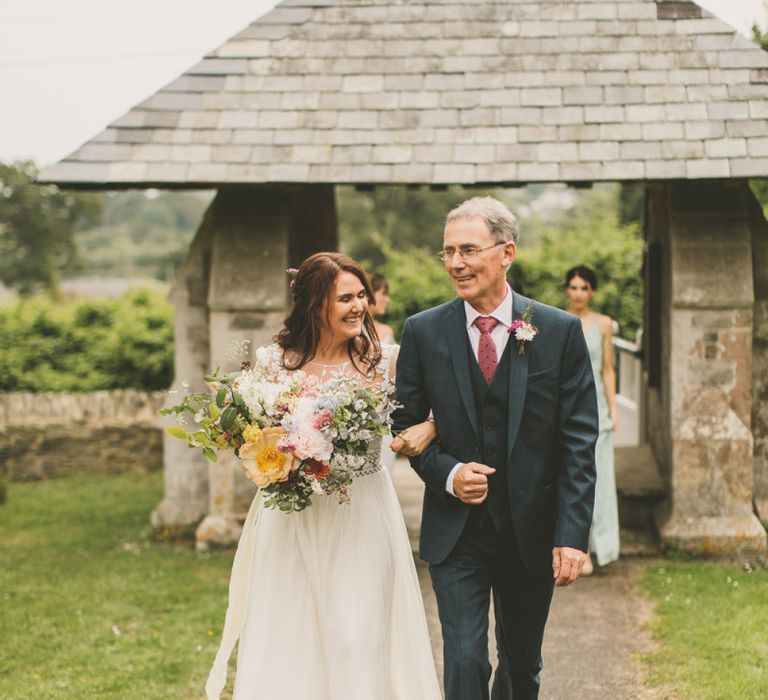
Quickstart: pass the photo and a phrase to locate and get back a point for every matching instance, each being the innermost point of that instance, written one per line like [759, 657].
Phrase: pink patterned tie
[486, 349]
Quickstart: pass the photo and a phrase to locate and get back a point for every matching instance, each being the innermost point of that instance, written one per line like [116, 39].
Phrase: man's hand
[470, 482]
[567, 563]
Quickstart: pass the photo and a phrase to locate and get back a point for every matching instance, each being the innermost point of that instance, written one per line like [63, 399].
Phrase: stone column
[259, 232]
[185, 499]
[705, 391]
[760, 358]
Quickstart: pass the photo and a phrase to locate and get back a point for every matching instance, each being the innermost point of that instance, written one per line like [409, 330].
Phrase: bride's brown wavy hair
[313, 287]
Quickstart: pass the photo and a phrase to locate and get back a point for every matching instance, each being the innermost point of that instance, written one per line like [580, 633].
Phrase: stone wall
[701, 412]
[54, 434]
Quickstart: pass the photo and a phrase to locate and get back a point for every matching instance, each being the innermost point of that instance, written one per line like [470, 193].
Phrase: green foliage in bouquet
[220, 418]
[87, 345]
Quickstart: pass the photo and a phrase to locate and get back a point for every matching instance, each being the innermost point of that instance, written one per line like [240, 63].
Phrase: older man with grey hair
[510, 477]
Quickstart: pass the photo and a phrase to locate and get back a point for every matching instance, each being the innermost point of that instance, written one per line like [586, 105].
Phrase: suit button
[489, 428]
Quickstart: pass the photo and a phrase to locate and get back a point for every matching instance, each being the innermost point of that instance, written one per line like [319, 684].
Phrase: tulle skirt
[327, 604]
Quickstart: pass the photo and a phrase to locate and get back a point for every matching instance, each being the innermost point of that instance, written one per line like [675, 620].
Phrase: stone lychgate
[487, 93]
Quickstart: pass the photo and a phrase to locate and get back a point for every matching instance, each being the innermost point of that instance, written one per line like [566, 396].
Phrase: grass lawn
[712, 622]
[91, 606]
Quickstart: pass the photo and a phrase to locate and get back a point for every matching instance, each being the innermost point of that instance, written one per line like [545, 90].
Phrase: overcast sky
[69, 67]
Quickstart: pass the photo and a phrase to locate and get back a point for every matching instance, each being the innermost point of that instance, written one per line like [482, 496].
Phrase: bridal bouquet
[294, 435]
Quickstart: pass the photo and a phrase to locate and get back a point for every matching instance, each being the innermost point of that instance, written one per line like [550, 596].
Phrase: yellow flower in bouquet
[252, 433]
[263, 462]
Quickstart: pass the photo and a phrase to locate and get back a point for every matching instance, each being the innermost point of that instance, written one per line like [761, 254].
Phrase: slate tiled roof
[450, 91]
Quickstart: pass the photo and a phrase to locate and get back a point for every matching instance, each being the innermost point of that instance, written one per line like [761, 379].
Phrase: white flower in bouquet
[307, 443]
[263, 357]
[303, 410]
[259, 396]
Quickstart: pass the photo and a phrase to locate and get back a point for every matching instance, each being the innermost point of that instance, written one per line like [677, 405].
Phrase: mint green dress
[604, 535]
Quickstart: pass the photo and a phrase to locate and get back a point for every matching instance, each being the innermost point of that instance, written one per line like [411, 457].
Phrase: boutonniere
[523, 329]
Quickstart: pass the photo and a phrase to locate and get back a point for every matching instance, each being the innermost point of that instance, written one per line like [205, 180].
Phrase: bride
[326, 601]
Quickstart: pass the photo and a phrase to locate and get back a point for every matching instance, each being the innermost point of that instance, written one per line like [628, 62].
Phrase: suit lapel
[457, 338]
[518, 376]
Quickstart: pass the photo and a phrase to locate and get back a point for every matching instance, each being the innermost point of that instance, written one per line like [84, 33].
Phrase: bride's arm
[414, 440]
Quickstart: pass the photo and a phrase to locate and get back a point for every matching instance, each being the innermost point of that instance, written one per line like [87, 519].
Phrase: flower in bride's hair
[293, 273]
[264, 462]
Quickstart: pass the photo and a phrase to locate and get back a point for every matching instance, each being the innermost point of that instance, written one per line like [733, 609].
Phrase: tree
[759, 37]
[406, 218]
[760, 187]
[37, 225]
[632, 203]
[591, 234]
[143, 234]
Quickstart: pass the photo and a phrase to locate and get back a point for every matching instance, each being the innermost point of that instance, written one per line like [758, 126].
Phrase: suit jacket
[552, 428]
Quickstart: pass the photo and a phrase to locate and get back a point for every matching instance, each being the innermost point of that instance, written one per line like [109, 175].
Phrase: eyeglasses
[466, 252]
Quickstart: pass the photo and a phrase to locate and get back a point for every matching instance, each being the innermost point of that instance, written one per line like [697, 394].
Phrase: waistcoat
[492, 404]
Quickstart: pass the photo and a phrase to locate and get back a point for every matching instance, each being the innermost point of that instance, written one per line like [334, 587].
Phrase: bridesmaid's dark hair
[378, 281]
[312, 289]
[586, 273]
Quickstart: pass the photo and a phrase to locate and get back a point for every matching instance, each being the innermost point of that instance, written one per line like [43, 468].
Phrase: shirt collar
[502, 313]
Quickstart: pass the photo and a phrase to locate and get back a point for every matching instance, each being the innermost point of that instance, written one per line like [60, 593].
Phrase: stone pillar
[759, 228]
[259, 232]
[704, 397]
[185, 499]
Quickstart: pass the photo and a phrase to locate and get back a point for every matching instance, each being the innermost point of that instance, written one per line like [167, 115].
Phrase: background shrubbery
[123, 343]
[88, 345]
[593, 235]
[601, 228]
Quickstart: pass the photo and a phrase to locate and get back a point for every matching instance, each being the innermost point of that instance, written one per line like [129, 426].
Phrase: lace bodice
[271, 358]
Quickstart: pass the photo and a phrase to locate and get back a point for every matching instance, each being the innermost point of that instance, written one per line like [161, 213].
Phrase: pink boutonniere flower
[523, 329]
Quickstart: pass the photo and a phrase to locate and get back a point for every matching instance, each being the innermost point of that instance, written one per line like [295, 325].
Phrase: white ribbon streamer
[239, 587]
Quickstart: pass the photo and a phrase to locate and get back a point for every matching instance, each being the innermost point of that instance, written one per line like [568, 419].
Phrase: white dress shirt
[500, 336]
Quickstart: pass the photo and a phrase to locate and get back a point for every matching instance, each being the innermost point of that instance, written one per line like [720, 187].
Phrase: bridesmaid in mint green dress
[580, 285]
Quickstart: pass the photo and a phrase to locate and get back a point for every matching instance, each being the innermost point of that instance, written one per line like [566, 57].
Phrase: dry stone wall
[53, 434]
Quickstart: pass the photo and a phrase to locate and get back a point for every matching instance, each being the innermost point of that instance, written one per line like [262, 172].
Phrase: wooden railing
[630, 393]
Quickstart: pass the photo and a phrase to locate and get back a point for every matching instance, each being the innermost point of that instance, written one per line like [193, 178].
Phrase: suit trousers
[487, 562]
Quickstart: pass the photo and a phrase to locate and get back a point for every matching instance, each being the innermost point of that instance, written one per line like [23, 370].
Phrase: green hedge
[86, 345]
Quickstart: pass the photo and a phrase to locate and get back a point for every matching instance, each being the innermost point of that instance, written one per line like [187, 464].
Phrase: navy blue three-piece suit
[536, 423]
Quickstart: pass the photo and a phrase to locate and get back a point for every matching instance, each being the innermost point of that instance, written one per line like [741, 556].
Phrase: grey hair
[500, 221]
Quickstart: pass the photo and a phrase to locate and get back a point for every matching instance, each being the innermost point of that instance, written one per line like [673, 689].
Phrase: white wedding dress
[388, 457]
[326, 602]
